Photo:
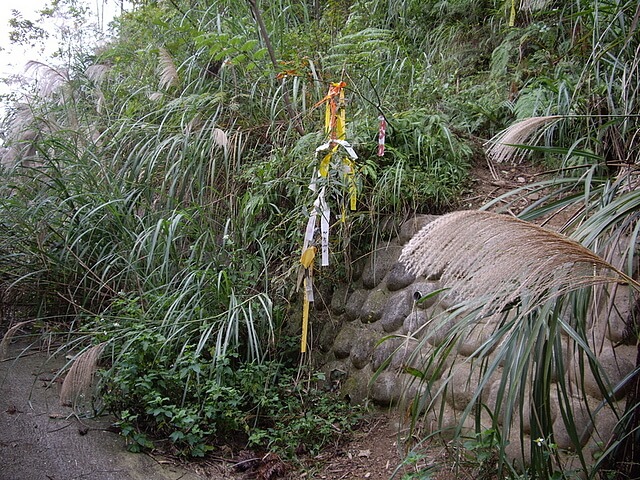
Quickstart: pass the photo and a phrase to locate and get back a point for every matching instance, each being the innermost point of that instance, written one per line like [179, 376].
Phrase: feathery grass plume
[502, 146]
[494, 260]
[50, 79]
[219, 137]
[97, 72]
[6, 340]
[168, 71]
[78, 384]
[21, 127]
[531, 5]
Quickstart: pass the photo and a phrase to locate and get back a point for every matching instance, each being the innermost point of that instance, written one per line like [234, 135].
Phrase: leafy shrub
[194, 402]
[424, 168]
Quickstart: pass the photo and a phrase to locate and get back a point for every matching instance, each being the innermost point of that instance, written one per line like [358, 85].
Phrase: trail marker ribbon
[512, 15]
[335, 128]
[382, 134]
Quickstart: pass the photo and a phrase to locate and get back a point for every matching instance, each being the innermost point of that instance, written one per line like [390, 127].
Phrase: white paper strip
[347, 146]
[311, 225]
[325, 213]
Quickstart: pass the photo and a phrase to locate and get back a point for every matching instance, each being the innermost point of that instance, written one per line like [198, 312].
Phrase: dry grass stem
[6, 340]
[501, 147]
[78, 384]
[494, 260]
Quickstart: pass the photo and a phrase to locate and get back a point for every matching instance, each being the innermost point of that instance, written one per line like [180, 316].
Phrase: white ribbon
[324, 228]
[343, 143]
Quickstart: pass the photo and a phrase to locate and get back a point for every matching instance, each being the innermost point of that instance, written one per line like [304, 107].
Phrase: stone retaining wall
[376, 329]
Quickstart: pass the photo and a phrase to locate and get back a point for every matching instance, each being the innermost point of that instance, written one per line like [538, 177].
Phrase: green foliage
[412, 460]
[154, 192]
[425, 168]
[195, 404]
[483, 447]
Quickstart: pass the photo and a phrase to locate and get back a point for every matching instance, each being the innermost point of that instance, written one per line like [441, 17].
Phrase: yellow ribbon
[305, 322]
[350, 173]
[325, 163]
[306, 261]
[341, 117]
[335, 128]
[308, 256]
[512, 18]
[334, 113]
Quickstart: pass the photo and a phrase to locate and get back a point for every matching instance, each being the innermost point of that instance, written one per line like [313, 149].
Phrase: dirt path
[41, 440]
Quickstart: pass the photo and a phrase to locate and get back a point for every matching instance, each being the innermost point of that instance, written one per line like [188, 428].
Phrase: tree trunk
[265, 37]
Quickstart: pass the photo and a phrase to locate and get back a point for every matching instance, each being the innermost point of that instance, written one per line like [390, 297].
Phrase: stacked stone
[384, 322]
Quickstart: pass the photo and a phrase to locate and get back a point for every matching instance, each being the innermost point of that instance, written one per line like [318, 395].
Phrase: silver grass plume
[97, 73]
[168, 71]
[492, 260]
[530, 5]
[50, 79]
[501, 147]
[77, 387]
[6, 339]
[219, 138]
[21, 126]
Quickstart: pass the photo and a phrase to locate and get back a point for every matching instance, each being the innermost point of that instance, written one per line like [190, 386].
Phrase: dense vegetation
[155, 190]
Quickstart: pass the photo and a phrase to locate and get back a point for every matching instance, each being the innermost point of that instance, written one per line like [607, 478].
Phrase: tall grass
[539, 318]
[595, 185]
[157, 199]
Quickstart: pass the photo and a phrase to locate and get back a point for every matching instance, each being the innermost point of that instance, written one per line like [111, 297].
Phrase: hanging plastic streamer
[382, 133]
[306, 272]
[335, 112]
[335, 128]
[512, 16]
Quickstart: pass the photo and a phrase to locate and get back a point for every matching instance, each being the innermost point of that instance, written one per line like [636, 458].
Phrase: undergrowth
[193, 405]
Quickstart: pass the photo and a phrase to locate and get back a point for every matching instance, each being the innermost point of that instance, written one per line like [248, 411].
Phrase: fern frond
[493, 260]
[365, 47]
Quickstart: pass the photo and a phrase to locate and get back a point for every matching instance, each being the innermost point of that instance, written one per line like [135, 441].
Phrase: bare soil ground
[43, 440]
[488, 184]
